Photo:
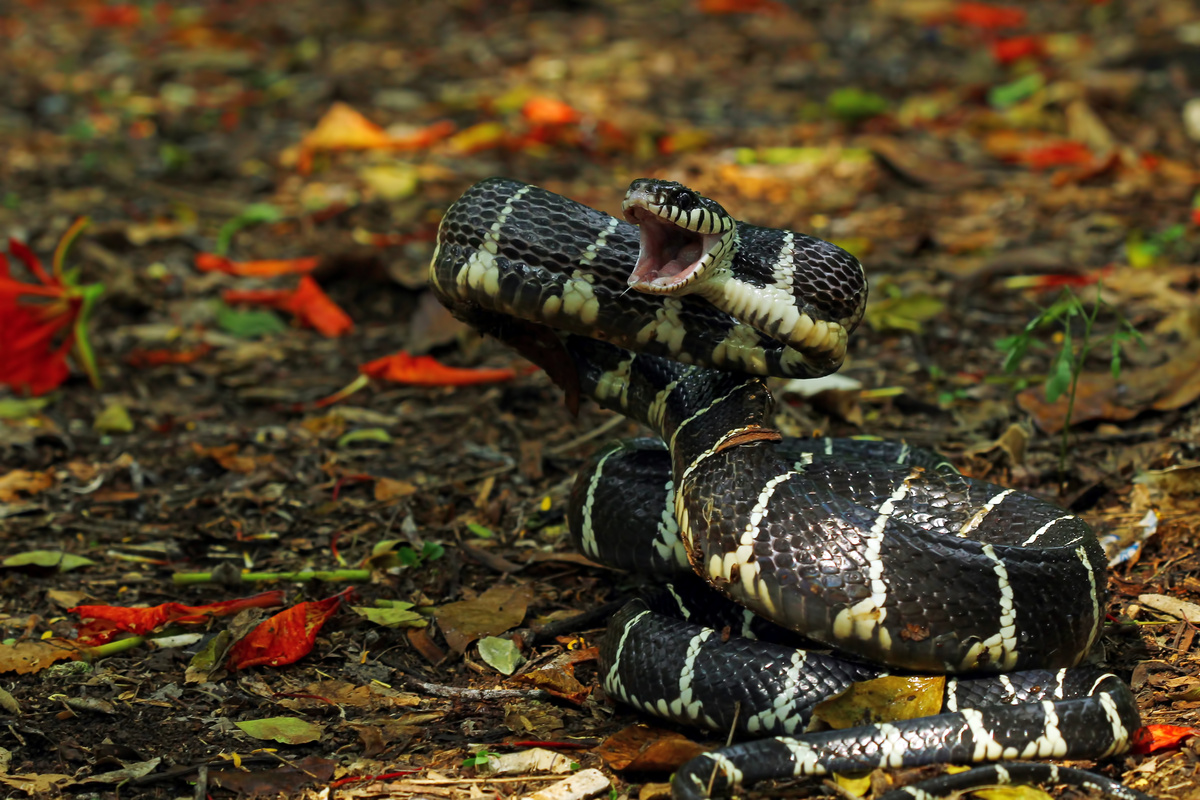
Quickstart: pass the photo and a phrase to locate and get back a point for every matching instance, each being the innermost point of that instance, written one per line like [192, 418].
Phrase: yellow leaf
[883, 700]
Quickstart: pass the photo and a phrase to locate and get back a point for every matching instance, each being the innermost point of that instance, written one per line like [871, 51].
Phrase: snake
[794, 569]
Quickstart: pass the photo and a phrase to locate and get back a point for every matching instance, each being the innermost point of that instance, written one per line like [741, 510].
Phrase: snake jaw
[681, 236]
[671, 256]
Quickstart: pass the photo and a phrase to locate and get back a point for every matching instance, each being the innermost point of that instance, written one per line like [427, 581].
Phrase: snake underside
[875, 551]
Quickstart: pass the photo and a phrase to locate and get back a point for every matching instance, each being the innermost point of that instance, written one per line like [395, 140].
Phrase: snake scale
[801, 566]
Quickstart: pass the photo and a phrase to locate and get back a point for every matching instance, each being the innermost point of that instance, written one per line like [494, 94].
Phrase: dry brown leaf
[493, 612]
[21, 484]
[643, 748]
[35, 655]
[1172, 385]
[391, 489]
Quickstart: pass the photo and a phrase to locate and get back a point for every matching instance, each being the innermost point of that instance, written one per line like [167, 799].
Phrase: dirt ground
[978, 159]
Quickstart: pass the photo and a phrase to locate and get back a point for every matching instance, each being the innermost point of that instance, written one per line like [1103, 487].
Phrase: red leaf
[1153, 738]
[156, 358]
[426, 371]
[989, 17]
[1006, 51]
[286, 637]
[122, 15]
[1056, 155]
[768, 7]
[101, 623]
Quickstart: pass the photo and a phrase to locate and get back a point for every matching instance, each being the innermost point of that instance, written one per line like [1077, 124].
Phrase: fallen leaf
[48, 559]
[493, 612]
[21, 484]
[502, 655]
[988, 17]
[113, 419]
[1155, 738]
[286, 730]
[886, 699]
[34, 655]
[396, 615]
[284, 781]
[308, 302]
[267, 268]
[1173, 606]
[286, 637]
[1181, 479]
[642, 748]
[402, 367]
[537, 759]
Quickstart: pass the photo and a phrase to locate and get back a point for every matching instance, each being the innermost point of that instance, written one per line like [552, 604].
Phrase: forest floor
[979, 160]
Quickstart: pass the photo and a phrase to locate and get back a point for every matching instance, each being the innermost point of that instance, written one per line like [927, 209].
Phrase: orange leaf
[286, 637]
[343, 128]
[548, 111]
[1153, 738]
[310, 305]
[314, 308]
[426, 371]
[20, 484]
[266, 268]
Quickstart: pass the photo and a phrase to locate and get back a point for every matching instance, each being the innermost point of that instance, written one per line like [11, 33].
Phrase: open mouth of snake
[671, 256]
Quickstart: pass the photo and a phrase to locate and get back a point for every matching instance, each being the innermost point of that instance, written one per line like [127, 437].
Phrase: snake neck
[671, 398]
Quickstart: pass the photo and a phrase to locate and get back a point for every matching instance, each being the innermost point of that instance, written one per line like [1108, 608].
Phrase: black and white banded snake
[875, 551]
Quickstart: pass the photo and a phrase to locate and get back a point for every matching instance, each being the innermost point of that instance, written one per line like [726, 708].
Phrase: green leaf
[501, 654]
[365, 436]
[50, 559]
[253, 214]
[114, 419]
[21, 408]
[1012, 93]
[286, 730]
[852, 104]
[1059, 380]
[478, 760]
[396, 615]
[248, 324]
[1015, 347]
[480, 531]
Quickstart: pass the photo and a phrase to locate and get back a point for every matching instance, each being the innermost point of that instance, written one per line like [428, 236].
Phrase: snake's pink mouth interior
[669, 255]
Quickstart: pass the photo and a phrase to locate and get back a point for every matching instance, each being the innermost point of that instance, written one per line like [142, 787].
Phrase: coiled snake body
[872, 550]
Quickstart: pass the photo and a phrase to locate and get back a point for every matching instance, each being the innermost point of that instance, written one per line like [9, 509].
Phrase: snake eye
[684, 201]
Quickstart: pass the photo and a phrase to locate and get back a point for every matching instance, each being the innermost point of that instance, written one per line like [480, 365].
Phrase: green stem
[324, 576]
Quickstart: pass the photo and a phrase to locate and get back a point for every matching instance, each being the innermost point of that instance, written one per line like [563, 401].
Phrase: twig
[594, 433]
[441, 690]
[579, 622]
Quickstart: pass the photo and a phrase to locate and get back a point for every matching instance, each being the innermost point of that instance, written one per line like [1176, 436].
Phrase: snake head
[684, 236]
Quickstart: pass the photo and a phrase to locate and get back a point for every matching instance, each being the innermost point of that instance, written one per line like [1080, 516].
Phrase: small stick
[441, 690]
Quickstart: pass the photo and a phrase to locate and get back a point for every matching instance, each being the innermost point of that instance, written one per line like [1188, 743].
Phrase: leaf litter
[977, 157]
